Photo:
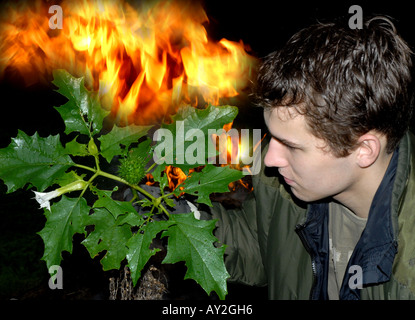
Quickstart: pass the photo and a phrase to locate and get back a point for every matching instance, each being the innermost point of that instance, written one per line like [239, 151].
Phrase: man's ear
[368, 150]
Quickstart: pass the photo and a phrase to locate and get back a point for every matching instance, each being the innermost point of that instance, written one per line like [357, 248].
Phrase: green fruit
[132, 168]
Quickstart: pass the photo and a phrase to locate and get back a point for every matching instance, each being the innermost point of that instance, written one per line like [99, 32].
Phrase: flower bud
[43, 198]
[92, 147]
[73, 186]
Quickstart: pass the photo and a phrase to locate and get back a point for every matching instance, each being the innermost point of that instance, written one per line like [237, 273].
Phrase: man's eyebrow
[286, 142]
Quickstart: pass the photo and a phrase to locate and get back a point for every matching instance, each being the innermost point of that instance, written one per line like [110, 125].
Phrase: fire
[175, 176]
[231, 151]
[145, 61]
[234, 148]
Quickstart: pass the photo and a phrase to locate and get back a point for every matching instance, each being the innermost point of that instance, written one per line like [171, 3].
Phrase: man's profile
[337, 104]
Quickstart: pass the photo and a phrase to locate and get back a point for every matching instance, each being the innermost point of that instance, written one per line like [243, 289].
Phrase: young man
[336, 217]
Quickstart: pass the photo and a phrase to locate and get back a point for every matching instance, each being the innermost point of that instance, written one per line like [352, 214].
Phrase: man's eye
[287, 145]
[291, 147]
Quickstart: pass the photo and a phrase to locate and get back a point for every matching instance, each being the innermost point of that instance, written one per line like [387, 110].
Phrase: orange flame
[175, 176]
[144, 61]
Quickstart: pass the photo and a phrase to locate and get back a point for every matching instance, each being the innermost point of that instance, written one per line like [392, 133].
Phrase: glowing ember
[145, 61]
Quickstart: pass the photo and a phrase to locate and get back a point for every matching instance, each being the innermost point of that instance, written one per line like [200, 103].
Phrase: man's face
[308, 168]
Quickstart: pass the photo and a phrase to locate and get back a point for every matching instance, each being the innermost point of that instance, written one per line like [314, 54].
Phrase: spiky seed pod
[132, 168]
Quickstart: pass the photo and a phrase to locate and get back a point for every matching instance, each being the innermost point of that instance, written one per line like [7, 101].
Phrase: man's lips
[288, 181]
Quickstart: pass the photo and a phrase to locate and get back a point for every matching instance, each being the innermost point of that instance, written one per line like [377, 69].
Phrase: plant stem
[119, 179]
[89, 182]
[167, 195]
[85, 167]
[151, 167]
[135, 187]
[135, 196]
[99, 172]
[97, 163]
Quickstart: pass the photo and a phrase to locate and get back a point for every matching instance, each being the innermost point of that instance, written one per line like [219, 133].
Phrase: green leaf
[210, 179]
[145, 203]
[75, 148]
[64, 219]
[191, 241]
[188, 118]
[169, 202]
[69, 177]
[133, 218]
[139, 251]
[112, 220]
[111, 142]
[109, 235]
[34, 160]
[213, 117]
[83, 112]
[160, 176]
[116, 208]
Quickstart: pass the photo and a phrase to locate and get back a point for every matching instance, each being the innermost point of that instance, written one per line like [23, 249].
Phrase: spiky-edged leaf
[139, 251]
[210, 179]
[109, 235]
[33, 159]
[189, 134]
[83, 112]
[76, 149]
[115, 207]
[112, 221]
[111, 143]
[64, 219]
[191, 241]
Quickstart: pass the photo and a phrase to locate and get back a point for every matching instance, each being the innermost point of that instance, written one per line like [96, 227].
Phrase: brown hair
[348, 82]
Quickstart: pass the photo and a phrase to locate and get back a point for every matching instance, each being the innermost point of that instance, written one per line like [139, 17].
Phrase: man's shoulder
[404, 263]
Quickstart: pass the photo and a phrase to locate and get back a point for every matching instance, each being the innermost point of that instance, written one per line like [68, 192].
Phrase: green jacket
[267, 242]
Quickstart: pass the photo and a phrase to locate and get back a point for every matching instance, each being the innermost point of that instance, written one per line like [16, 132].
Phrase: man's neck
[358, 198]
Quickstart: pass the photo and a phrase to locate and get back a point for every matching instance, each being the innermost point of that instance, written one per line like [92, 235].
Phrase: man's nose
[276, 155]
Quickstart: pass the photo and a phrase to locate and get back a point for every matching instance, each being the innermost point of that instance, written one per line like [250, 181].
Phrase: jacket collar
[405, 162]
[377, 246]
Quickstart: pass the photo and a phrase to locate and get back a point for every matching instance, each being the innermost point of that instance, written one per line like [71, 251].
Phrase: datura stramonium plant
[119, 231]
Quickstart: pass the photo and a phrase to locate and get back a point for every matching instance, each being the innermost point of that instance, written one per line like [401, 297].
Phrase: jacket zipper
[299, 230]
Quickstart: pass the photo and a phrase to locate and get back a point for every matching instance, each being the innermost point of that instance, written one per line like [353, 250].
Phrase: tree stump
[151, 286]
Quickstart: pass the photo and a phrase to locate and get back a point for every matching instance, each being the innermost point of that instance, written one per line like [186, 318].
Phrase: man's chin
[304, 197]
